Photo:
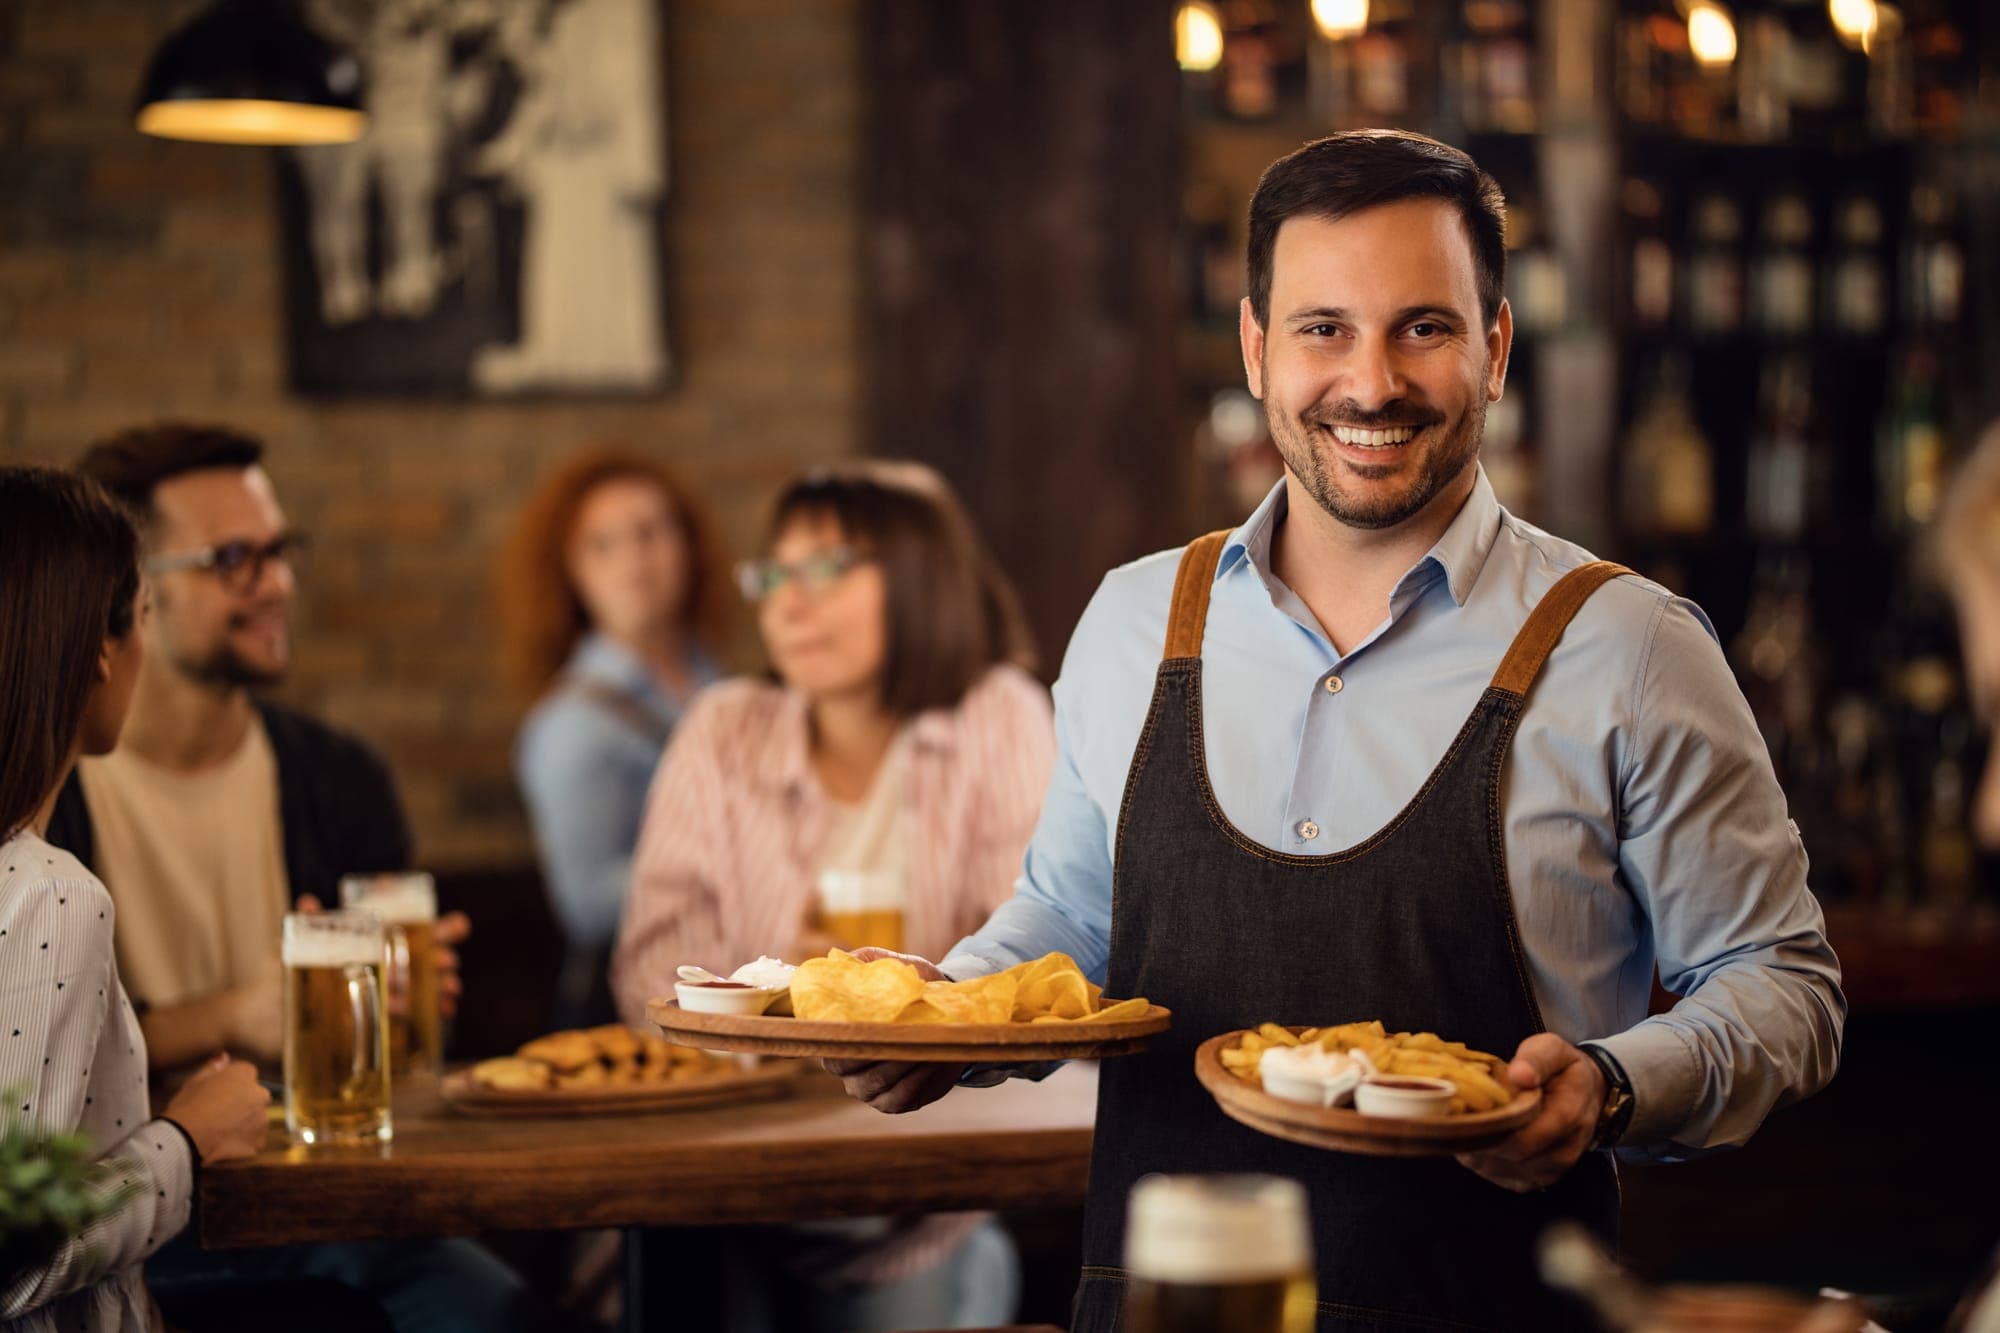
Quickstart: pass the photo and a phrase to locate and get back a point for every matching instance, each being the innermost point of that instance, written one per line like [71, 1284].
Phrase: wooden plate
[723, 1086]
[997, 1043]
[1344, 1130]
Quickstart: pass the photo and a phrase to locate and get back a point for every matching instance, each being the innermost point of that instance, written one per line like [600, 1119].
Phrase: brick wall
[138, 278]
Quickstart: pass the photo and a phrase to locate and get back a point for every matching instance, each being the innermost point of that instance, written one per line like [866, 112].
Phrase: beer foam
[1217, 1229]
[332, 949]
[400, 900]
[861, 891]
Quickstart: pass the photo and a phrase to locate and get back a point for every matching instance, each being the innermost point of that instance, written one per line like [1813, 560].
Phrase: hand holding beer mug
[863, 909]
[336, 1029]
[407, 906]
[1215, 1252]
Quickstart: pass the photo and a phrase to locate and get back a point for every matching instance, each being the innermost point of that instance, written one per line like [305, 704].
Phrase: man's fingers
[452, 928]
[1539, 1059]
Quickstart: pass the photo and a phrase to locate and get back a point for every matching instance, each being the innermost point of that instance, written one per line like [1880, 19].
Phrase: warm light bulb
[1711, 34]
[1198, 37]
[1341, 18]
[1854, 20]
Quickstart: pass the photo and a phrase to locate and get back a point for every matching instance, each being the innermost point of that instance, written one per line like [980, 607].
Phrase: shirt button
[1308, 830]
[1333, 685]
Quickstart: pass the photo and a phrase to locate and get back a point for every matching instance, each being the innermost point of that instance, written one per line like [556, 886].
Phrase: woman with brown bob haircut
[613, 606]
[878, 788]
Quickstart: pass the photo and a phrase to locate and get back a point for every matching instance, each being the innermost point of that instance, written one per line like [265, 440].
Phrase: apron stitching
[1496, 837]
[1198, 759]
[1141, 753]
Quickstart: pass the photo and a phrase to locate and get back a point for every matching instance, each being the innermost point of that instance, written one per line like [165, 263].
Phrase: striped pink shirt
[726, 864]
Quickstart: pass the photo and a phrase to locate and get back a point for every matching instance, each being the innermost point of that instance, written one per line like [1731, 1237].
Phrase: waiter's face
[1376, 369]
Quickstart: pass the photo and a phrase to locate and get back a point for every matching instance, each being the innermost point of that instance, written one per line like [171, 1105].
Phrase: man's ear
[1499, 347]
[1251, 334]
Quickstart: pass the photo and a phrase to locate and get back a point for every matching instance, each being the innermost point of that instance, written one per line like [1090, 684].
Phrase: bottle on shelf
[1933, 278]
[1782, 279]
[1858, 290]
[1536, 287]
[1668, 480]
[1495, 67]
[1789, 491]
[1763, 102]
[1713, 298]
[1910, 447]
[1650, 264]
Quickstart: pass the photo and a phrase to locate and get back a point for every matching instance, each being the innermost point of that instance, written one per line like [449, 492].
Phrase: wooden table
[815, 1155]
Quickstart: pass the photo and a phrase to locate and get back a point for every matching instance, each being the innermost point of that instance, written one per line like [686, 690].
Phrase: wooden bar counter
[816, 1154]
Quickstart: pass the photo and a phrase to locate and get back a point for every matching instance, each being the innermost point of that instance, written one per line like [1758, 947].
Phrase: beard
[224, 666]
[1449, 447]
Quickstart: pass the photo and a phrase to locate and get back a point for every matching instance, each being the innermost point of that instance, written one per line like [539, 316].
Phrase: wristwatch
[1616, 1116]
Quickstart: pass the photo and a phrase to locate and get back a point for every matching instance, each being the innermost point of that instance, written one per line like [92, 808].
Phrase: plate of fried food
[1360, 1088]
[609, 1070]
[840, 1007]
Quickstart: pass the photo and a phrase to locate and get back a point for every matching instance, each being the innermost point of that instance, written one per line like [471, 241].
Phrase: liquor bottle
[1782, 280]
[1763, 105]
[1538, 291]
[1496, 67]
[1249, 75]
[1933, 261]
[1714, 296]
[1910, 447]
[1788, 490]
[1668, 481]
[1946, 856]
[1859, 287]
[1650, 286]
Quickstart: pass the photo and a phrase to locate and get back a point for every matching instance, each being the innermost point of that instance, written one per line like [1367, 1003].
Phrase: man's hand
[1540, 1152]
[894, 1087]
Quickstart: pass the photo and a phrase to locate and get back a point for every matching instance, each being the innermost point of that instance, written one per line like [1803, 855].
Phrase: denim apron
[1414, 926]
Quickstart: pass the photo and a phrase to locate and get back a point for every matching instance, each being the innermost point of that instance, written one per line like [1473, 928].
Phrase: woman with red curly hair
[612, 613]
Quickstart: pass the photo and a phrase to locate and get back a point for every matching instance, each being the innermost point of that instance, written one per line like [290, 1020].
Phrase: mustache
[1391, 417]
[274, 606]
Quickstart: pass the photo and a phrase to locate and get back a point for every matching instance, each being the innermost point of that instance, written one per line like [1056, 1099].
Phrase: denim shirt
[1644, 824]
[584, 766]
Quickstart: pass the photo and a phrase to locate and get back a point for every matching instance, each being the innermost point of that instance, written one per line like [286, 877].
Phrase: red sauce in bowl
[723, 985]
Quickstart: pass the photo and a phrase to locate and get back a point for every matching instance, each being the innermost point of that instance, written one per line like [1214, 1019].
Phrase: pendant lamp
[252, 72]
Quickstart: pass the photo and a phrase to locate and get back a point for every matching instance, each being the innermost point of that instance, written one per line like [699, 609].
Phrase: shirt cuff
[194, 1156]
[966, 966]
[1666, 1080]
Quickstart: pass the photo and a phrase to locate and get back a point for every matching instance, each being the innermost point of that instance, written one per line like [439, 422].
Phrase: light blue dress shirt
[584, 768]
[1643, 821]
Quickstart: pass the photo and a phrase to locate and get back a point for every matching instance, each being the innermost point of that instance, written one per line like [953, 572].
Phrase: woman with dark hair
[613, 608]
[69, 654]
[877, 789]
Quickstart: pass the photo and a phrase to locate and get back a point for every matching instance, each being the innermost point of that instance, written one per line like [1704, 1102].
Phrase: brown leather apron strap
[1551, 616]
[1196, 579]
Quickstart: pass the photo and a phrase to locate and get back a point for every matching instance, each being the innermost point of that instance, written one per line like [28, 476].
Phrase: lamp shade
[252, 72]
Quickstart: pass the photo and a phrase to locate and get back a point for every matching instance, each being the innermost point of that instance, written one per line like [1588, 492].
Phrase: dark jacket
[337, 808]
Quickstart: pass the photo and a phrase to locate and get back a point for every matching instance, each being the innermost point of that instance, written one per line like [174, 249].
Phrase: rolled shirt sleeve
[1707, 850]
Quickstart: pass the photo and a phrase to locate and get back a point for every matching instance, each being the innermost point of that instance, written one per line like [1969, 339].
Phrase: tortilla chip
[1052, 986]
[979, 1000]
[841, 989]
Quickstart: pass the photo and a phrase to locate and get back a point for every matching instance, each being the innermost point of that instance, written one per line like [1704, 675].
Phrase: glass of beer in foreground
[863, 909]
[407, 906]
[1216, 1252]
[336, 1029]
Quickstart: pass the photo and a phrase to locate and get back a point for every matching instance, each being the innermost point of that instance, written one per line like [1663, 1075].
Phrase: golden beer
[336, 1029]
[862, 909]
[407, 906]
[1206, 1254]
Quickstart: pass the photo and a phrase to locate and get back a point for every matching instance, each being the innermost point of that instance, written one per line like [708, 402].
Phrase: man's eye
[1426, 329]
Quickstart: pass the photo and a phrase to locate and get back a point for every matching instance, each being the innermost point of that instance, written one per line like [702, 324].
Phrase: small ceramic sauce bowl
[1298, 1074]
[724, 997]
[1404, 1096]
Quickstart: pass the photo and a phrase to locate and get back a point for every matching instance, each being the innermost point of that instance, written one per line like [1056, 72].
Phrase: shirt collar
[602, 658]
[1458, 556]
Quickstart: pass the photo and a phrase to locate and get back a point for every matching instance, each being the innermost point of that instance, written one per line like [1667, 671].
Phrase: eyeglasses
[239, 564]
[758, 579]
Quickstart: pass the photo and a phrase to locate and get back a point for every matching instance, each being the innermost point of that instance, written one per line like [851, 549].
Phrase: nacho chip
[839, 988]
[981, 1000]
[1052, 987]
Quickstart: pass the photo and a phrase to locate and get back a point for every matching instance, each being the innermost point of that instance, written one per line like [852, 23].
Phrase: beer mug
[1204, 1253]
[863, 909]
[407, 906]
[336, 1029]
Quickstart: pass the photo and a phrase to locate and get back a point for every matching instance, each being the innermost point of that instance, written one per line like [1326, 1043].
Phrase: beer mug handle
[363, 999]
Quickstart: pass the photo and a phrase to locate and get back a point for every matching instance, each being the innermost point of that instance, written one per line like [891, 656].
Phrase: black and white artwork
[498, 230]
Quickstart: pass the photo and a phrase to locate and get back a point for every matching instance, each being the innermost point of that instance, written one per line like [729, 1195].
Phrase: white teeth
[1373, 439]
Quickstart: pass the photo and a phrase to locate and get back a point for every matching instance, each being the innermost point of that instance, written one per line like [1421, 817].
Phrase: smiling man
[1404, 756]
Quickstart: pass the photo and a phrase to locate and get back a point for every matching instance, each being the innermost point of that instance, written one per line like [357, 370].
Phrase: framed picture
[498, 231]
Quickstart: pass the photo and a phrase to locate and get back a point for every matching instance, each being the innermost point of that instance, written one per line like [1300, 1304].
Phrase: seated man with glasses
[220, 811]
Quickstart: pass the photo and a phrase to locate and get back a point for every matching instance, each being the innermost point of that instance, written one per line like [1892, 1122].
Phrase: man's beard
[1444, 460]
[224, 667]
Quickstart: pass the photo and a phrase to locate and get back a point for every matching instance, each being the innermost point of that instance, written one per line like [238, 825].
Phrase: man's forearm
[180, 1034]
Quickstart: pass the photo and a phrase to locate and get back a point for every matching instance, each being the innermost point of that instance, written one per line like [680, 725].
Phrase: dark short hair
[133, 463]
[952, 615]
[69, 575]
[1345, 173]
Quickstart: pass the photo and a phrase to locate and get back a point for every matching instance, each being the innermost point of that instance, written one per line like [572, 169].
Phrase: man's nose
[1374, 376]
